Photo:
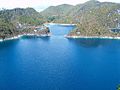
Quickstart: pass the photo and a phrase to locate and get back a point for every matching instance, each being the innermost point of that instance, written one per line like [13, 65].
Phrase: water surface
[57, 63]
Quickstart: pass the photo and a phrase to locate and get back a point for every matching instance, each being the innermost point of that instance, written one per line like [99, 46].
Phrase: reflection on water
[29, 37]
[8, 43]
[91, 42]
[46, 38]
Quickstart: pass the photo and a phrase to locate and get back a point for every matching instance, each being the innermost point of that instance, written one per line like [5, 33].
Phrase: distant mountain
[59, 10]
[92, 17]
[56, 12]
[21, 15]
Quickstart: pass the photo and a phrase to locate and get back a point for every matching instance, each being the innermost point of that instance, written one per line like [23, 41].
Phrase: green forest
[93, 18]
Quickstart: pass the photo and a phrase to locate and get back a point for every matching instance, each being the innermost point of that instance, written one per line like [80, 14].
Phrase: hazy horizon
[40, 5]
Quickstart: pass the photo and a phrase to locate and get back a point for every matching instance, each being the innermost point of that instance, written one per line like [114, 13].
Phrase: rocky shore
[39, 33]
[100, 37]
[19, 36]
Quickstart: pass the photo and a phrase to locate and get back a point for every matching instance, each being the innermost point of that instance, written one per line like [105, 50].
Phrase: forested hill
[95, 18]
[19, 18]
[92, 17]
[56, 12]
[21, 15]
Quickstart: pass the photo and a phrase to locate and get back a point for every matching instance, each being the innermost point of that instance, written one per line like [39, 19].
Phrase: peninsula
[18, 22]
[92, 18]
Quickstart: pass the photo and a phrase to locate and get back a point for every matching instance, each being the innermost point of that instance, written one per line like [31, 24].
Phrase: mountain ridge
[93, 18]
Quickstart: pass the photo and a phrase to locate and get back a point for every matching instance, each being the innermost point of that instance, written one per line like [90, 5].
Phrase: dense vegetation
[93, 18]
[18, 20]
[23, 16]
[56, 12]
[7, 29]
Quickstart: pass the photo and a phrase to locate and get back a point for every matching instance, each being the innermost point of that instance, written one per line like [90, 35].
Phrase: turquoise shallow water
[57, 63]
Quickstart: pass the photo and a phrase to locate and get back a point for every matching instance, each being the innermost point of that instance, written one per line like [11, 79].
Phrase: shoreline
[69, 37]
[90, 37]
[60, 24]
[19, 36]
[11, 38]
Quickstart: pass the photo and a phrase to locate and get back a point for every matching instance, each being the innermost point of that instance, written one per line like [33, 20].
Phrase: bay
[58, 63]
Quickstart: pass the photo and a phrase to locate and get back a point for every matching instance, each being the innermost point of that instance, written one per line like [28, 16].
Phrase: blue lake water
[57, 63]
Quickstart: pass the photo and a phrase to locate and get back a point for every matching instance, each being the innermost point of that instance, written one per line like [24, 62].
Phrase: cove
[58, 63]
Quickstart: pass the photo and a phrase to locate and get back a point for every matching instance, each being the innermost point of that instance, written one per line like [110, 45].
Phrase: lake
[58, 63]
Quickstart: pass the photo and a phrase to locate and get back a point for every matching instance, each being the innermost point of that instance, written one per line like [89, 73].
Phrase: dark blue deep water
[57, 63]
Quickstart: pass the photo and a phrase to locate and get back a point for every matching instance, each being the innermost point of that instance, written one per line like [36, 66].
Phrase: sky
[40, 5]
